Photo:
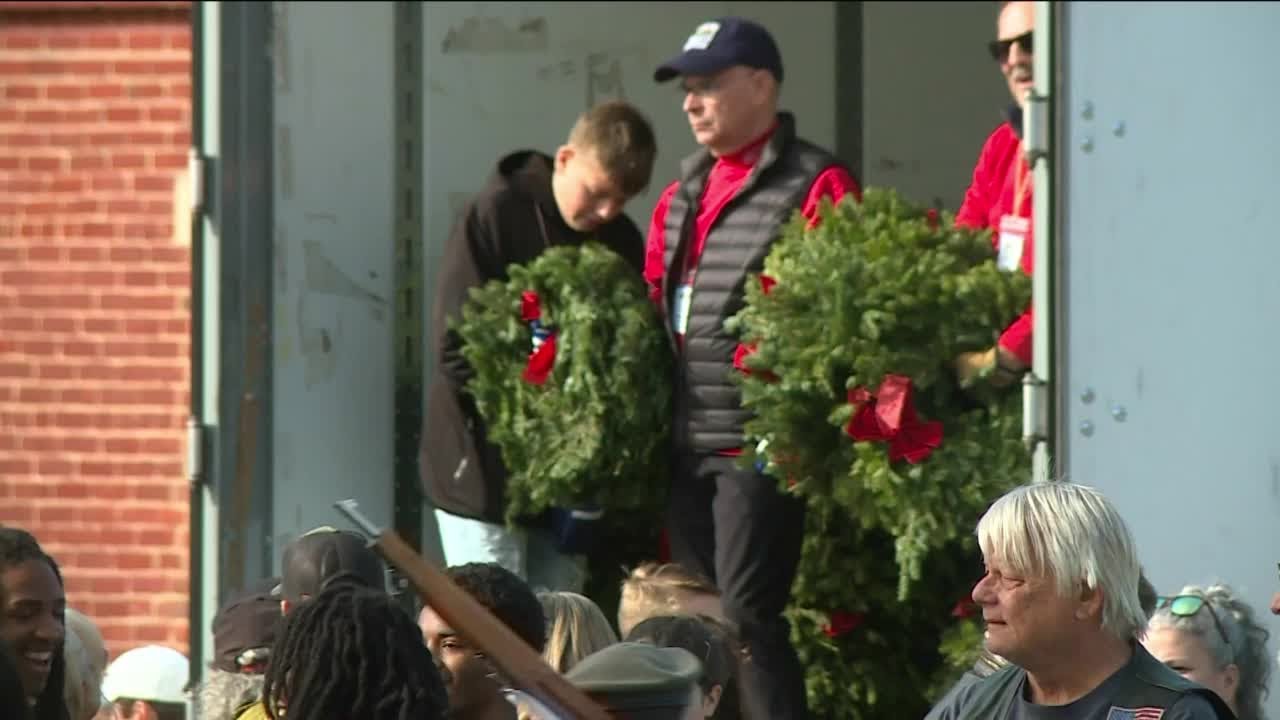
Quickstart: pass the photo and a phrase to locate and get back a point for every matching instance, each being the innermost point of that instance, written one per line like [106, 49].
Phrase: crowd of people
[1073, 628]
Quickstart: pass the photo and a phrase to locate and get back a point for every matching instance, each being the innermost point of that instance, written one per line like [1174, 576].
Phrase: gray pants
[528, 553]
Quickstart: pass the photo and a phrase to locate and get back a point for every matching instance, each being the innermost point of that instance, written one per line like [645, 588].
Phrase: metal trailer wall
[1168, 386]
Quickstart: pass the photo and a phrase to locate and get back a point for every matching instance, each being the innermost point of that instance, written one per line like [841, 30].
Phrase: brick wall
[94, 128]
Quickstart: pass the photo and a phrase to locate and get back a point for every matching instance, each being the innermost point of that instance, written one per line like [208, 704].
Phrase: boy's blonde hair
[656, 589]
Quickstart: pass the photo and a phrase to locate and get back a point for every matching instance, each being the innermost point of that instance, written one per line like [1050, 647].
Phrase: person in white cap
[148, 683]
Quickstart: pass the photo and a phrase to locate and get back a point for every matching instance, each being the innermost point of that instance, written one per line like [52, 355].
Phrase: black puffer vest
[708, 406]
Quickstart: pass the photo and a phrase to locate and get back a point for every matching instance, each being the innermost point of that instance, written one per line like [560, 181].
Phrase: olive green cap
[637, 676]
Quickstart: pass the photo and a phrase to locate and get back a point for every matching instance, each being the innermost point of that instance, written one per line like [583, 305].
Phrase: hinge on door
[1035, 127]
[1035, 411]
[195, 451]
[195, 173]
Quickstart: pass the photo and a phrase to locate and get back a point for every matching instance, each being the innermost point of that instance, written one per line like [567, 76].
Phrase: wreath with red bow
[848, 337]
[571, 375]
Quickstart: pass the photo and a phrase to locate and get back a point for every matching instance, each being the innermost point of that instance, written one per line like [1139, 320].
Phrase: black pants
[735, 527]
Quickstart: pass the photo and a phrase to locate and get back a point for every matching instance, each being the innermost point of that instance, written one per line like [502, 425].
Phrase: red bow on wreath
[842, 622]
[890, 415]
[745, 350]
[543, 357]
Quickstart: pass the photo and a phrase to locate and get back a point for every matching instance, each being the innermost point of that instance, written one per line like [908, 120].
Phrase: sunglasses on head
[1000, 48]
[1189, 605]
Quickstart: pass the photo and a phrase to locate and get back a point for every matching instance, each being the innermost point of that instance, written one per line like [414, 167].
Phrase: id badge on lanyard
[1014, 228]
[680, 307]
[1013, 237]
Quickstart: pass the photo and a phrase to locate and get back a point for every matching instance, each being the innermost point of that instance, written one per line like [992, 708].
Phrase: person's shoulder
[955, 699]
[1001, 139]
[804, 146]
[1194, 705]
[510, 184]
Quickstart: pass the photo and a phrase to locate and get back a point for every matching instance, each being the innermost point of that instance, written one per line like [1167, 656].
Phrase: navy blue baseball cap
[721, 44]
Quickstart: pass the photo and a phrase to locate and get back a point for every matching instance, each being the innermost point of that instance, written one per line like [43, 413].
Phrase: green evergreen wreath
[585, 425]
[866, 310]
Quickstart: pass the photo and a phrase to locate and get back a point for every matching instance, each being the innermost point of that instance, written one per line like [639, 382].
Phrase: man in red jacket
[712, 228]
[999, 197]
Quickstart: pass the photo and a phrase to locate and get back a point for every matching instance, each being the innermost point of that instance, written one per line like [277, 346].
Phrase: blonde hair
[576, 627]
[85, 657]
[1073, 535]
[655, 589]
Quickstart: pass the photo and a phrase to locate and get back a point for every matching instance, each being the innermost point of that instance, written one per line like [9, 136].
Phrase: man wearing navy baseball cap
[710, 230]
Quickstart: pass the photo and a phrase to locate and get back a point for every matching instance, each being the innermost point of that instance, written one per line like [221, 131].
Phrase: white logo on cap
[702, 37]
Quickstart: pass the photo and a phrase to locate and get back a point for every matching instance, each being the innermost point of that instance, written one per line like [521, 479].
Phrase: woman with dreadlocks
[352, 652]
[32, 603]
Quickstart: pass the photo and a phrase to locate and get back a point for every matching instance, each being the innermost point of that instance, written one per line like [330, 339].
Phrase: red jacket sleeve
[656, 246]
[835, 182]
[975, 210]
[1017, 337]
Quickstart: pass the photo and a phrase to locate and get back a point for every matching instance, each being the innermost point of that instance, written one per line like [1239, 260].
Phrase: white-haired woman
[1210, 635]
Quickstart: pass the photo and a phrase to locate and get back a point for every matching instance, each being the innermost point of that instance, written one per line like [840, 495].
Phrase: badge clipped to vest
[680, 309]
[1012, 238]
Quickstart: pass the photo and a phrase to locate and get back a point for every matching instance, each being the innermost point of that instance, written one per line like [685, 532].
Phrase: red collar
[750, 153]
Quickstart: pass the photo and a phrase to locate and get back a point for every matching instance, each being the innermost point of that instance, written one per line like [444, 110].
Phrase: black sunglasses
[1188, 605]
[1000, 48]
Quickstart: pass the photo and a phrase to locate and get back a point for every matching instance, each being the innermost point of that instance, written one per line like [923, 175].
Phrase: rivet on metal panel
[1086, 396]
[1087, 144]
[1086, 428]
[1118, 130]
[1087, 111]
[1119, 413]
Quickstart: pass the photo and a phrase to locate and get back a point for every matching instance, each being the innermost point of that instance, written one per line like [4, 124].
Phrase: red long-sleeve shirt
[991, 196]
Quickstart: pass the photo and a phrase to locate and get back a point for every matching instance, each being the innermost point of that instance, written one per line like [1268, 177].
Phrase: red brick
[127, 160]
[58, 324]
[145, 183]
[66, 92]
[108, 584]
[103, 325]
[81, 348]
[148, 41]
[55, 466]
[21, 92]
[10, 467]
[64, 42]
[55, 372]
[168, 114]
[17, 514]
[105, 90]
[23, 40]
[124, 115]
[32, 490]
[150, 634]
[138, 302]
[109, 491]
[135, 561]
